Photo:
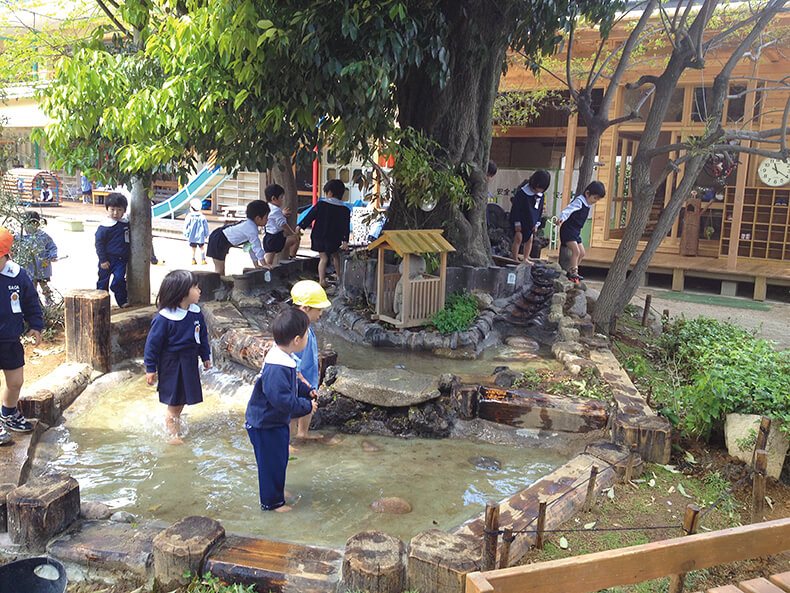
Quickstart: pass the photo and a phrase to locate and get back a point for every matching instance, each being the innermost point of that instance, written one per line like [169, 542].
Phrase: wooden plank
[678, 279]
[759, 585]
[759, 288]
[625, 566]
[781, 580]
[725, 589]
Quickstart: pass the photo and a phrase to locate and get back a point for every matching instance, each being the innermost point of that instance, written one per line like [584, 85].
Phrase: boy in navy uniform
[277, 397]
[112, 247]
[18, 303]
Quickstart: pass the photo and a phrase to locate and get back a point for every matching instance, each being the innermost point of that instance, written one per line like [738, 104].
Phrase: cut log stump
[42, 508]
[440, 561]
[181, 548]
[87, 315]
[374, 562]
[5, 489]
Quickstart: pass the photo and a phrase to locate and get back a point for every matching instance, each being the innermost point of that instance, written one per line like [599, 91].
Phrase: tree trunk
[283, 174]
[587, 168]
[458, 117]
[138, 270]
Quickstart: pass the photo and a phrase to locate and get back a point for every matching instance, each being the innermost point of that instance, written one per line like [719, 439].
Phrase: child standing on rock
[278, 396]
[196, 230]
[177, 338]
[525, 213]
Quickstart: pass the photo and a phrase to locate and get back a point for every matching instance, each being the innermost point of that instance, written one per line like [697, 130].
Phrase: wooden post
[646, 312]
[629, 468]
[507, 538]
[405, 308]
[87, 315]
[758, 485]
[762, 436]
[464, 400]
[665, 315]
[588, 501]
[690, 522]
[491, 536]
[541, 524]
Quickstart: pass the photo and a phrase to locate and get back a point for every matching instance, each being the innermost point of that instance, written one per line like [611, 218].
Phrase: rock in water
[486, 463]
[523, 343]
[392, 505]
[369, 447]
[334, 440]
[91, 509]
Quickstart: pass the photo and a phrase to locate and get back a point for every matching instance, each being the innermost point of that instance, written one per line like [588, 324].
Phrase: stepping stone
[43, 507]
[15, 457]
[182, 547]
[440, 561]
[375, 562]
[276, 566]
[111, 546]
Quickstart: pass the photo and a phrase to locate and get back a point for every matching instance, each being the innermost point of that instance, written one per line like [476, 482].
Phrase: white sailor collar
[528, 190]
[109, 222]
[11, 269]
[333, 200]
[277, 356]
[178, 313]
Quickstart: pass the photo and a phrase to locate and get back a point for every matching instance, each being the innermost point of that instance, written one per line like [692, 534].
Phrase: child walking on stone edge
[196, 230]
[18, 303]
[310, 298]
[572, 219]
[178, 336]
[278, 396]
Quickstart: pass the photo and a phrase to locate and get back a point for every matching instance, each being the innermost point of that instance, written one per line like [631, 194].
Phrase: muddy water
[117, 451]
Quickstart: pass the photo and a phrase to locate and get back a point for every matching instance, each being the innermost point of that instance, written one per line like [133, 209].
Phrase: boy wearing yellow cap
[18, 303]
[310, 297]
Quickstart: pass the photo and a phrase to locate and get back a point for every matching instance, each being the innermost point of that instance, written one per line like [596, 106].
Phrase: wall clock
[774, 172]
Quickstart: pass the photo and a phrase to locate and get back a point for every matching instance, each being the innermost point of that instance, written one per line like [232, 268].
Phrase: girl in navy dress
[177, 338]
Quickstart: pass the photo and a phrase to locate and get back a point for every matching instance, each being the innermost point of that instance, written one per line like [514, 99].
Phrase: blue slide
[209, 179]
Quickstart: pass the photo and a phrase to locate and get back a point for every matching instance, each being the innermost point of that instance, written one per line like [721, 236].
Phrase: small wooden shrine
[409, 298]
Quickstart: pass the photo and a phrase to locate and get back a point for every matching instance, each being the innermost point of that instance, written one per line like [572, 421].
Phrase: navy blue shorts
[274, 243]
[12, 355]
[197, 245]
[218, 244]
[569, 237]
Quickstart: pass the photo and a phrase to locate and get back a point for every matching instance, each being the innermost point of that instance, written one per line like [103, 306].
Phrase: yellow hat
[308, 293]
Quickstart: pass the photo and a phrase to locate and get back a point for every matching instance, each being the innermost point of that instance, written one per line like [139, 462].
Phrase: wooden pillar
[379, 282]
[405, 308]
[491, 536]
[758, 485]
[690, 523]
[442, 279]
[590, 498]
[87, 315]
[570, 156]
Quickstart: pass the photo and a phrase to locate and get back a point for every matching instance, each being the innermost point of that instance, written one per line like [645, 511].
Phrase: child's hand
[315, 405]
[207, 364]
[344, 246]
[105, 265]
[313, 394]
[36, 335]
[288, 211]
[150, 378]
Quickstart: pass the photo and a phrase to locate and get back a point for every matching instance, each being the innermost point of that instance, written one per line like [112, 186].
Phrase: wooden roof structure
[413, 241]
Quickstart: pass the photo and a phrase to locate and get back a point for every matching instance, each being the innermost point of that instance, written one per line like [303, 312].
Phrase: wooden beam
[625, 566]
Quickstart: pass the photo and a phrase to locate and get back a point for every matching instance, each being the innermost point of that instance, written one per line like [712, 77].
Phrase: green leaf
[241, 96]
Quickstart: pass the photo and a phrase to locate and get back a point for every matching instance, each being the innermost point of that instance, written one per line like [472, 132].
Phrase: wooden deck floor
[778, 583]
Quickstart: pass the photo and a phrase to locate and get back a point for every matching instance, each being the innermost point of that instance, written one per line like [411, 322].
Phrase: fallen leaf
[563, 543]
[610, 493]
[671, 490]
[589, 525]
[690, 457]
[156, 507]
[770, 502]
[683, 491]
[651, 483]
[671, 468]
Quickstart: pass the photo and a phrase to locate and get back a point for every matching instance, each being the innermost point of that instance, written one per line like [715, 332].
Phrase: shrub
[726, 369]
[459, 313]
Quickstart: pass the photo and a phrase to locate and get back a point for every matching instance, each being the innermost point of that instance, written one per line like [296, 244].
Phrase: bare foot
[310, 436]
[176, 441]
[292, 449]
[283, 509]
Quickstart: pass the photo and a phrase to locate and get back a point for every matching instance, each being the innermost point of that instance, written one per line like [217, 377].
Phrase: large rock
[740, 431]
[389, 388]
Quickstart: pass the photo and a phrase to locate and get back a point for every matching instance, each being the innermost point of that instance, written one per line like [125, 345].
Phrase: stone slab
[108, 545]
[278, 567]
[386, 387]
[742, 429]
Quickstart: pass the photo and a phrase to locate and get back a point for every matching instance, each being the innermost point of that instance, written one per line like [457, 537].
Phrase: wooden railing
[626, 566]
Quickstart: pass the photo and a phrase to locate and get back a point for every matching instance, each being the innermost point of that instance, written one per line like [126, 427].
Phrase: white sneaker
[5, 438]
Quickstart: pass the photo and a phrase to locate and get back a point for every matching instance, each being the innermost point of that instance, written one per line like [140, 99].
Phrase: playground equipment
[201, 187]
[27, 184]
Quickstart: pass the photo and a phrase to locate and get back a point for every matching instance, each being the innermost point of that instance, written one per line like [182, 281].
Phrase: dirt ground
[42, 359]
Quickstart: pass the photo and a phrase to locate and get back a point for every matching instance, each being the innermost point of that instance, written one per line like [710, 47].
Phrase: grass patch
[719, 301]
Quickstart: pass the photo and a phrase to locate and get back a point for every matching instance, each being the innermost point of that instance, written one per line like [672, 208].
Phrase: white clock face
[774, 172]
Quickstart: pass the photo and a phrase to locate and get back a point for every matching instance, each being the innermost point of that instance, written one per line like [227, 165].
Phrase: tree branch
[111, 16]
[643, 80]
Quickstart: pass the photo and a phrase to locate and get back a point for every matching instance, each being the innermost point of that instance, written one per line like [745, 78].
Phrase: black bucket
[33, 575]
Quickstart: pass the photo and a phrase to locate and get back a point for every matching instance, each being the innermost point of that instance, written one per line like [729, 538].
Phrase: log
[440, 561]
[222, 316]
[181, 548]
[41, 405]
[129, 331]
[87, 315]
[374, 562]
[5, 489]
[525, 409]
[464, 399]
[42, 508]
[247, 347]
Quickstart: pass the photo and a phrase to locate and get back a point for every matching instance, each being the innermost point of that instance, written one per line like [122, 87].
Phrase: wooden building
[742, 226]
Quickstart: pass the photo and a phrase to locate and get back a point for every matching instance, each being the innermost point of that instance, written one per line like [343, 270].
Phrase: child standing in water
[571, 221]
[178, 336]
[278, 396]
[196, 230]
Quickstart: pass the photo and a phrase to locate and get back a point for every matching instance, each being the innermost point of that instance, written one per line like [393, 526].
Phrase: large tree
[259, 80]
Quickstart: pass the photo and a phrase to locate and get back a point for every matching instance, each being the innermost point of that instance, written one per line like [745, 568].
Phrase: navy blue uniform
[573, 217]
[526, 208]
[112, 245]
[332, 225]
[18, 303]
[176, 339]
[277, 397]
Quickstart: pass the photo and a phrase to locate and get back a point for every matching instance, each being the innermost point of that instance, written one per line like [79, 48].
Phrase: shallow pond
[117, 451]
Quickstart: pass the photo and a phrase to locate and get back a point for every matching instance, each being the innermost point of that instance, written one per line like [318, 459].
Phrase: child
[279, 235]
[18, 303]
[310, 298]
[40, 252]
[222, 239]
[46, 193]
[112, 247]
[332, 226]
[571, 221]
[525, 213]
[178, 336]
[196, 230]
[277, 397]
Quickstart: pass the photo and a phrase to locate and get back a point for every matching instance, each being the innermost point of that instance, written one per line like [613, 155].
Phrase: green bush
[726, 369]
[459, 313]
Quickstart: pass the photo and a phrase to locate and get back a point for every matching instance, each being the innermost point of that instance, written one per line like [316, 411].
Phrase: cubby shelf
[764, 223]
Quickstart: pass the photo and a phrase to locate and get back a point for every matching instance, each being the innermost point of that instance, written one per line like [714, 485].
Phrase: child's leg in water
[173, 424]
